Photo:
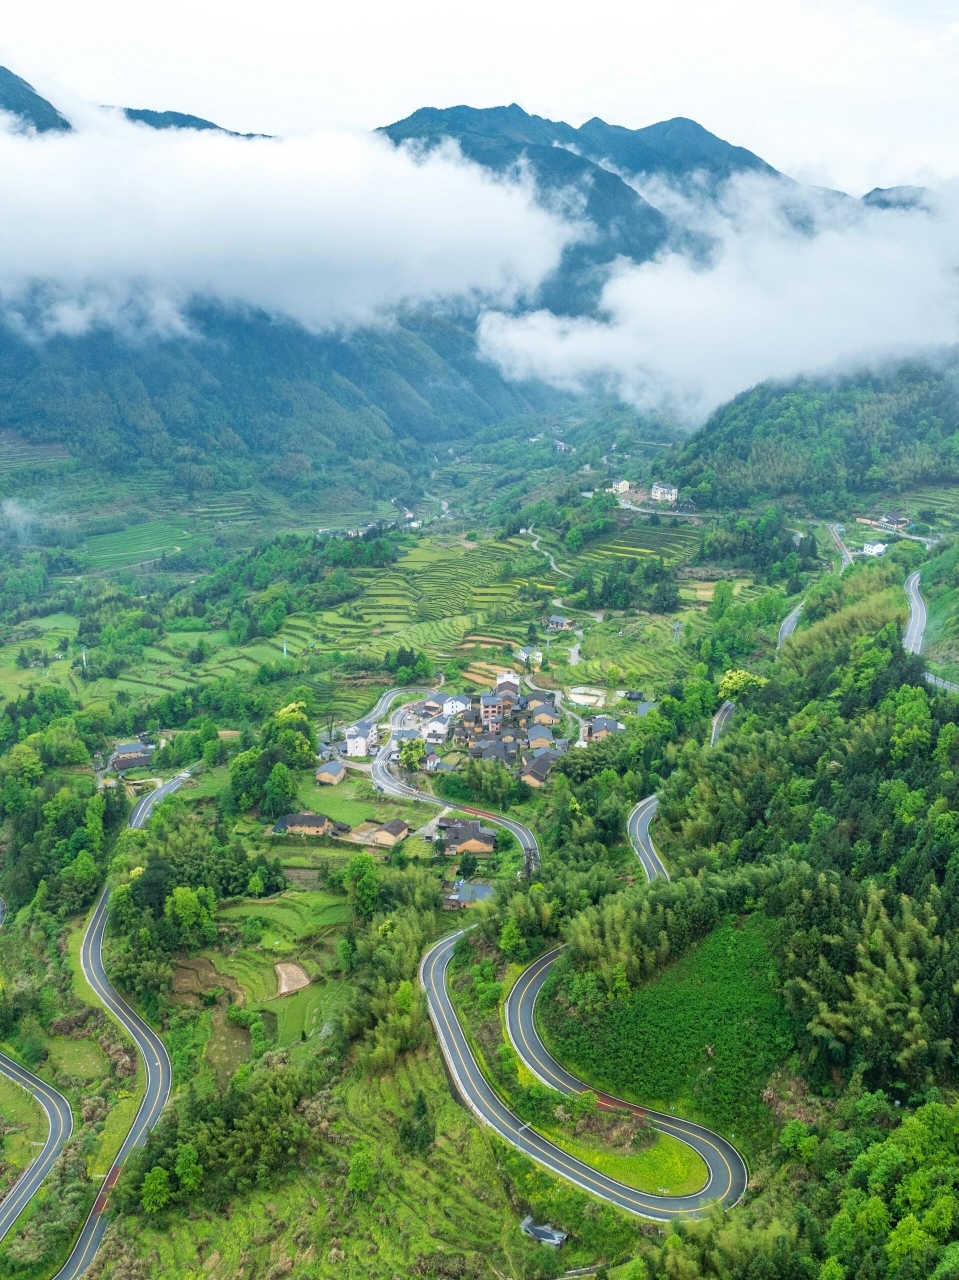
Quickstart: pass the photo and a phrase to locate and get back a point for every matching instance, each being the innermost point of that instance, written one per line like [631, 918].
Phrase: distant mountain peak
[676, 149]
[179, 120]
[20, 99]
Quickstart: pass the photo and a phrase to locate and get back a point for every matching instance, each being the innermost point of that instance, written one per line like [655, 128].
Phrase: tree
[735, 683]
[188, 1169]
[468, 865]
[362, 879]
[511, 941]
[155, 1193]
[413, 753]
[363, 1174]
[279, 792]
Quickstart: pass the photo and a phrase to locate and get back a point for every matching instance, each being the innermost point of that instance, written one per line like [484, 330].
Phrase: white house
[361, 738]
[874, 548]
[664, 492]
[507, 680]
[457, 704]
[619, 486]
[437, 730]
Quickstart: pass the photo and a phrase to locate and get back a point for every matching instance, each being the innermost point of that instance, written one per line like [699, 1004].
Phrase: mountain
[829, 441]
[673, 149]
[587, 169]
[179, 120]
[255, 395]
[21, 100]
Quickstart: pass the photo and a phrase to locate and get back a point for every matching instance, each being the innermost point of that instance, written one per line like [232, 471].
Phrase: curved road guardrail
[149, 1045]
[727, 1171]
[60, 1120]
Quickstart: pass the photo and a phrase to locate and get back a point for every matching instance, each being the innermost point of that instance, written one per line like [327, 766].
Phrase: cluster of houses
[519, 730]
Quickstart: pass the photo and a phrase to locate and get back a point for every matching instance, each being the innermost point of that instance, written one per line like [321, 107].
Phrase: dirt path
[289, 977]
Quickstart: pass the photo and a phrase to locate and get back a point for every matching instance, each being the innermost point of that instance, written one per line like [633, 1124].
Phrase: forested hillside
[255, 396]
[827, 440]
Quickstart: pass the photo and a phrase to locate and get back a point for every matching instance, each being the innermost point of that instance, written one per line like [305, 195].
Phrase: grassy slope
[702, 1038]
[24, 1124]
[455, 1202]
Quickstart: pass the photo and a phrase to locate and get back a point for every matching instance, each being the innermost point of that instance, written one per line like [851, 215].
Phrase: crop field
[15, 452]
[292, 917]
[251, 971]
[140, 542]
[943, 499]
[354, 801]
[649, 647]
[312, 1010]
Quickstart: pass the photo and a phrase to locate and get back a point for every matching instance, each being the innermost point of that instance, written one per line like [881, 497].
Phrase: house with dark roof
[535, 772]
[433, 704]
[437, 730]
[546, 714]
[558, 623]
[470, 837]
[331, 774]
[456, 704]
[602, 726]
[391, 833]
[540, 736]
[464, 894]
[491, 710]
[303, 824]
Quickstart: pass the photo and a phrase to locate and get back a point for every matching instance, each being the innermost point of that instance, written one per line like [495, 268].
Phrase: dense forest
[872, 433]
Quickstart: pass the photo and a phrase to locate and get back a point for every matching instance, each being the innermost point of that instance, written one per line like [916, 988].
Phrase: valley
[479, 704]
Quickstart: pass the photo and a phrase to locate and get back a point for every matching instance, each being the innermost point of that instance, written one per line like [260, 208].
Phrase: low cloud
[790, 282]
[117, 224]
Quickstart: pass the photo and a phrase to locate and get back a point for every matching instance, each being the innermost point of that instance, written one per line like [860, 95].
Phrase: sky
[118, 225]
[848, 93]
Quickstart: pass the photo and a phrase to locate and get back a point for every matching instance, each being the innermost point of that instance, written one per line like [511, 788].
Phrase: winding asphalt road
[60, 1120]
[158, 1071]
[788, 625]
[720, 720]
[727, 1175]
[912, 642]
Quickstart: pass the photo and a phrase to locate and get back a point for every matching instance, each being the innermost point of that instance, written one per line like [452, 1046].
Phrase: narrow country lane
[727, 1172]
[149, 1045]
[60, 1121]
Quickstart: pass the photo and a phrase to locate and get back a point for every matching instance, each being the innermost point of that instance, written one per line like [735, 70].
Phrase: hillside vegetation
[828, 442]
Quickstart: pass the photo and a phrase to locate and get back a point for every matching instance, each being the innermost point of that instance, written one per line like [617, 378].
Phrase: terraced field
[15, 452]
[141, 542]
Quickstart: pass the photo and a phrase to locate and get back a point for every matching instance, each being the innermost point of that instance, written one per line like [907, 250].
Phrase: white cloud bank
[772, 302]
[119, 223]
